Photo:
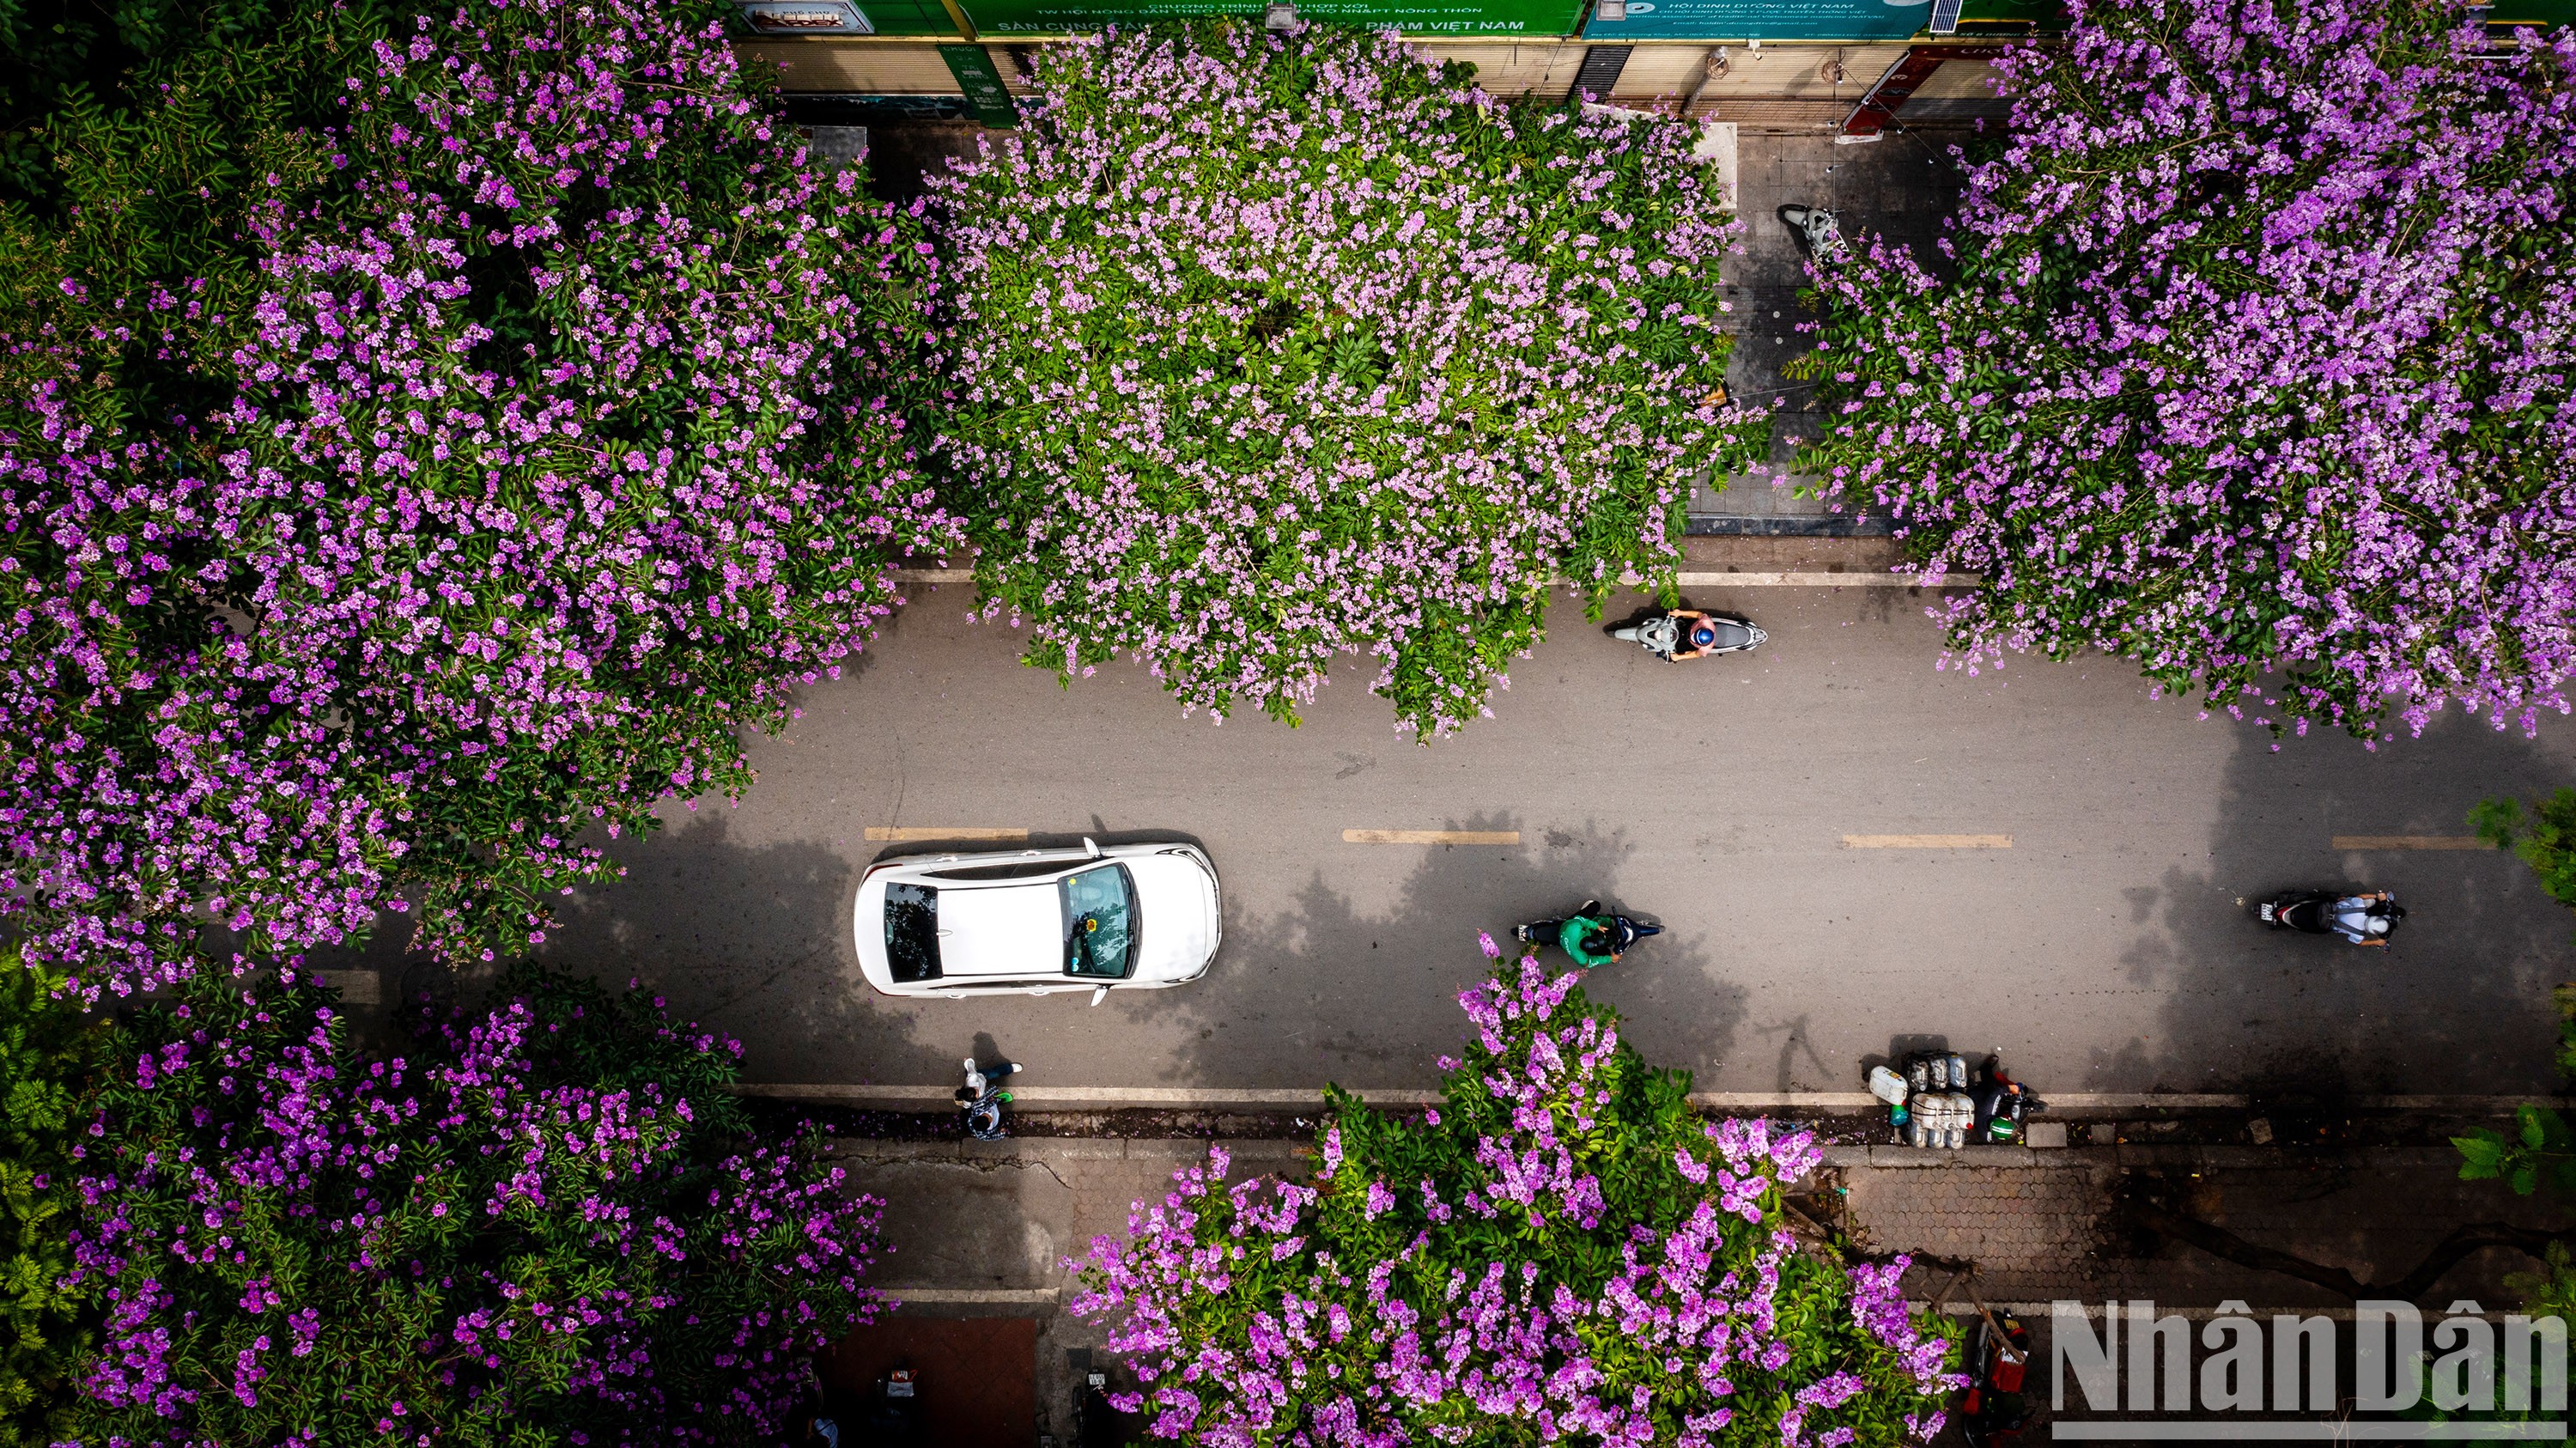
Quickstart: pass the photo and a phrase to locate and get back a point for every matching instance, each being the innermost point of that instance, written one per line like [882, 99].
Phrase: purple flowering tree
[542, 1223]
[553, 458]
[2256, 365]
[1275, 347]
[1562, 1251]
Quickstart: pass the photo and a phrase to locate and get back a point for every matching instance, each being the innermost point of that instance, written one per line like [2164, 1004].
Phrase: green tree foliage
[2540, 1152]
[2545, 839]
[2551, 1291]
[137, 144]
[1275, 347]
[543, 1223]
[1562, 1251]
[49, 1053]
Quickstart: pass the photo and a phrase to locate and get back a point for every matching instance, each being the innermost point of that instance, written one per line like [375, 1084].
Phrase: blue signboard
[1761, 20]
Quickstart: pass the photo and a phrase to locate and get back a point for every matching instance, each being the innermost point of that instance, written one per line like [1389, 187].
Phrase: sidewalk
[981, 1228]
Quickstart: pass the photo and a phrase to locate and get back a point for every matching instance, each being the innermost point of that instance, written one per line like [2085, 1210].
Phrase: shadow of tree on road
[754, 939]
[2283, 1015]
[1296, 974]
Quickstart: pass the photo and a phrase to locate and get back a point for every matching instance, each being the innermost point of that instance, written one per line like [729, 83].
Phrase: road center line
[1431, 837]
[2410, 842]
[914, 833]
[1927, 842]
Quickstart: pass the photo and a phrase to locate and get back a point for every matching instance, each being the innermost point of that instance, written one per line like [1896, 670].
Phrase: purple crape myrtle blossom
[1562, 1252]
[554, 458]
[545, 1222]
[2255, 367]
[1270, 348]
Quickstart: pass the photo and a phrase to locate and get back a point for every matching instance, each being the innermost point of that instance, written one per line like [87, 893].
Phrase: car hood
[1180, 910]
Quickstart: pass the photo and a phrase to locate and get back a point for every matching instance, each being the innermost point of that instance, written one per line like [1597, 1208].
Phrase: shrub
[133, 155]
[49, 1057]
[1275, 347]
[555, 462]
[2255, 369]
[542, 1224]
[1560, 1251]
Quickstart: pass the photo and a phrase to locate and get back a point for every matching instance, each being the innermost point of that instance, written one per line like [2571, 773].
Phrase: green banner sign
[986, 97]
[1462, 17]
[1762, 19]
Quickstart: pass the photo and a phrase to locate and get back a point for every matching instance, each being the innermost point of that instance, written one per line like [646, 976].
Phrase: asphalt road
[2104, 950]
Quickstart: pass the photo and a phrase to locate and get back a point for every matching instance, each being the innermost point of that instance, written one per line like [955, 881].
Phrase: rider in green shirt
[1578, 933]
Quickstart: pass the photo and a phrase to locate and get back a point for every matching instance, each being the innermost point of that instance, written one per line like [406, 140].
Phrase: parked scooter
[1599, 939]
[1991, 1410]
[1681, 633]
[2367, 917]
[1934, 1100]
[893, 1418]
[1818, 232]
[982, 1099]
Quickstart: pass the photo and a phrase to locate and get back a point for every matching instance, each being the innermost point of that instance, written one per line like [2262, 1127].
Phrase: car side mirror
[1091, 847]
[1099, 993]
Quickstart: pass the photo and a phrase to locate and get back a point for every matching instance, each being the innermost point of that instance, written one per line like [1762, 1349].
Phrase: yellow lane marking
[1431, 837]
[1927, 842]
[2410, 842]
[945, 832]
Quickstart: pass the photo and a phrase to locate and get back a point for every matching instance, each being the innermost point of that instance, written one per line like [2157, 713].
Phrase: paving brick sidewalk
[982, 1228]
[2040, 1225]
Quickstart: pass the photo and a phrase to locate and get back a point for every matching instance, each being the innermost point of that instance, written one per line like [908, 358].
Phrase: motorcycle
[1817, 232]
[1612, 940]
[1991, 1411]
[894, 1417]
[1686, 633]
[2369, 917]
[982, 1098]
[1934, 1100]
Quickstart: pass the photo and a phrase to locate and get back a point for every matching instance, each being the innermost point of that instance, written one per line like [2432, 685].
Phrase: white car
[1036, 922]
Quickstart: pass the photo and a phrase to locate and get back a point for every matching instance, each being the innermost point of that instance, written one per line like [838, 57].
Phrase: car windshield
[912, 932]
[1099, 923]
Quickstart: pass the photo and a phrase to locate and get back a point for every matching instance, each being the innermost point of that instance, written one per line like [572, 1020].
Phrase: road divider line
[2410, 842]
[932, 575]
[916, 833]
[1219, 1097]
[1431, 837]
[1927, 842]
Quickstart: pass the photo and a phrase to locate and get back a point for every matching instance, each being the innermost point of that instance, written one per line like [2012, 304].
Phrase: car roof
[987, 930]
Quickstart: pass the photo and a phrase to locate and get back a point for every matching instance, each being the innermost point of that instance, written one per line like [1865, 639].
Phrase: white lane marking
[1927, 842]
[2410, 842]
[945, 832]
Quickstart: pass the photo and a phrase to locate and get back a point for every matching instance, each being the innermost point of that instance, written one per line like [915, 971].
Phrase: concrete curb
[1189, 1098]
[1271, 1152]
[1685, 580]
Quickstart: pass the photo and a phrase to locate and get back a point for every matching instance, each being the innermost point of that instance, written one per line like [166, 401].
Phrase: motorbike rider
[1694, 636]
[2355, 920]
[1588, 937]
